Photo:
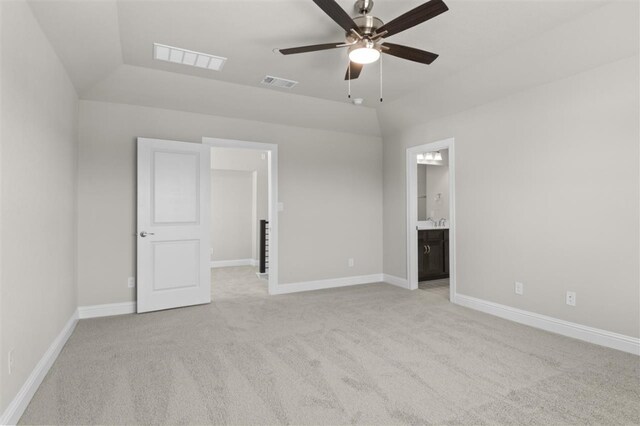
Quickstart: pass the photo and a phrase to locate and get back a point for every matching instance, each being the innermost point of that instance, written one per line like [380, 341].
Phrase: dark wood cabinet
[433, 254]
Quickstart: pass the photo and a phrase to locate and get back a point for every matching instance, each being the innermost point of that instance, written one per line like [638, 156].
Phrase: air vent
[177, 55]
[282, 83]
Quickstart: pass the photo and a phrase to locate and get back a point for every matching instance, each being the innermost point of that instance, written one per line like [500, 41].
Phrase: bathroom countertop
[422, 226]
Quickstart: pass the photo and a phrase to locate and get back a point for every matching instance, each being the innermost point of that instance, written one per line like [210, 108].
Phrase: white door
[173, 224]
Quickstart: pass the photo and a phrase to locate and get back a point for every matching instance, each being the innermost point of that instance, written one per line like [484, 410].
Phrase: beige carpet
[371, 354]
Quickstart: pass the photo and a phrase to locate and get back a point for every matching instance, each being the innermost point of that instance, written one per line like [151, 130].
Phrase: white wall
[547, 185]
[231, 214]
[330, 184]
[38, 198]
[253, 161]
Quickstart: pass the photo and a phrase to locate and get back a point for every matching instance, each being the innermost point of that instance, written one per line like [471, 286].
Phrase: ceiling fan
[366, 33]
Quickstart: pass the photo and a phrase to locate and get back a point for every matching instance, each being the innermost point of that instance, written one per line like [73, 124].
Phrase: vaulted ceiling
[107, 49]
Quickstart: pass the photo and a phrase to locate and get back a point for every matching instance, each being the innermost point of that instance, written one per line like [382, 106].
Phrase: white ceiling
[107, 47]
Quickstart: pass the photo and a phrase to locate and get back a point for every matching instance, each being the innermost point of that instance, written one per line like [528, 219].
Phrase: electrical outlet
[131, 282]
[350, 262]
[571, 298]
[10, 361]
[519, 288]
[211, 251]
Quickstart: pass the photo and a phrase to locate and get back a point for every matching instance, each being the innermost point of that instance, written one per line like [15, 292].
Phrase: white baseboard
[236, 262]
[330, 283]
[16, 408]
[108, 310]
[554, 325]
[397, 281]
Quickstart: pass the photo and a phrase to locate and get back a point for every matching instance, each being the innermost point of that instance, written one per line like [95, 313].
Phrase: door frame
[412, 211]
[272, 158]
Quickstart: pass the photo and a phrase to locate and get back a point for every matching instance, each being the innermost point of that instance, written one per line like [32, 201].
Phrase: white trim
[412, 211]
[111, 309]
[397, 281]
[330, 283]
[272, 150]
[554, 325]
[16, 408]
[236, 262]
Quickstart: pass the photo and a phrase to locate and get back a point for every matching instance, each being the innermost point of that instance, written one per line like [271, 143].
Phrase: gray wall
[330, 184]
[38, 198]
[231, 214]
[546, 193]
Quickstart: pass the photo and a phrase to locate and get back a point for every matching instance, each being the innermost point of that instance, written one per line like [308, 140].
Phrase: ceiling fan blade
[416, 16]
[356, 69]
[335, 12]
[410, 53]
[313, 48]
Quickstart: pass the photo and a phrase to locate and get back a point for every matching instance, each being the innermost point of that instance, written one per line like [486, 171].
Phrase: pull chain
[349, 83]
[380, 78]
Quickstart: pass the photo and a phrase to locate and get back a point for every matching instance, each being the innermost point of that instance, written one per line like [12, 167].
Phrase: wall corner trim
[16, 408]
[397, 281]
[96, 311]
[577, 331]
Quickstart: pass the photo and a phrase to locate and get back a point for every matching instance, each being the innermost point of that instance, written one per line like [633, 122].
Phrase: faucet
[442, 222]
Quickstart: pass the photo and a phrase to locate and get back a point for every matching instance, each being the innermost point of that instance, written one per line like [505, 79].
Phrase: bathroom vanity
[433, 254]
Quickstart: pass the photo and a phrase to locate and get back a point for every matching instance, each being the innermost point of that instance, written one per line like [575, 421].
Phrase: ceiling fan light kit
[365, 35]
[364, 53]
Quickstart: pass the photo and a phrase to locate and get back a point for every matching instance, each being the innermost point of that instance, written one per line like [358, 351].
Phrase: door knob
[145, 233]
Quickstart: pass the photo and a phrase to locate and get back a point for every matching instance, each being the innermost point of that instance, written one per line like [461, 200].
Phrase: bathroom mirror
[433, 187]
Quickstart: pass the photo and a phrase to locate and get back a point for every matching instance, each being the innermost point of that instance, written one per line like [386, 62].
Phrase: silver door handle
[145, 233]
[425, 250]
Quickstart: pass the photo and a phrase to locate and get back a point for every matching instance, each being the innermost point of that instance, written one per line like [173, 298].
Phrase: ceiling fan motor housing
[368, 25]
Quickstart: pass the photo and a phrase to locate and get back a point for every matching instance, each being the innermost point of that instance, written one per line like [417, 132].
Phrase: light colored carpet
[435, 284]
[370, 354]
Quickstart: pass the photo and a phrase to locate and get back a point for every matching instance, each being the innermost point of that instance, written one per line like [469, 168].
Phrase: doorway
[431, 217]
[245, 175]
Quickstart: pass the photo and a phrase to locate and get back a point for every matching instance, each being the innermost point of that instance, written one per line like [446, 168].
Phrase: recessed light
[178, 55]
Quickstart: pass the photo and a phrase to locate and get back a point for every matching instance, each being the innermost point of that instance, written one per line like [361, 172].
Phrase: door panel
[175, 188]
[173, 224]
[175, 264]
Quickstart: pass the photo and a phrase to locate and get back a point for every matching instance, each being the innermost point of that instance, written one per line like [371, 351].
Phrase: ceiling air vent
[178, 55]
[282, 83]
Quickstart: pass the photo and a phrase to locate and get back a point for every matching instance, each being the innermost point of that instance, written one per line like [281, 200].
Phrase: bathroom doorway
[430, 218]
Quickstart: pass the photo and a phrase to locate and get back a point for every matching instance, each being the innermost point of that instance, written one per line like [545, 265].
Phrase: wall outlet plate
[571, 298]
[10, 361]
[131, 282]
[519, 288]
[350, 262]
